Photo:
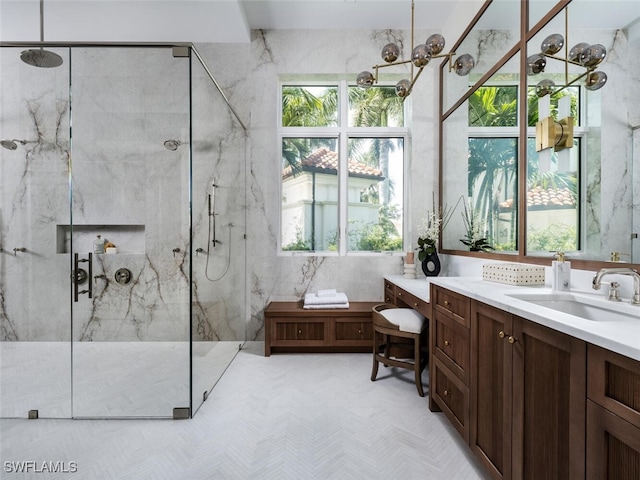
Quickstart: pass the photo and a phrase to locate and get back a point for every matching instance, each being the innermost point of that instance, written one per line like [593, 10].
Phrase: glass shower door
[35, 367]
[130, 233]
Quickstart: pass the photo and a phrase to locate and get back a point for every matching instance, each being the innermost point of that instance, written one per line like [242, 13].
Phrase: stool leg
[418, 366]
[374, 369]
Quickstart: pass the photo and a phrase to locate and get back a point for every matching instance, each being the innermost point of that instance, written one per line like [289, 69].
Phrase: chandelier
[421, 55]
[581, 54]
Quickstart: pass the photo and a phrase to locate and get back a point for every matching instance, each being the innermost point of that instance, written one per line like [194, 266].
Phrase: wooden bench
[290, 328]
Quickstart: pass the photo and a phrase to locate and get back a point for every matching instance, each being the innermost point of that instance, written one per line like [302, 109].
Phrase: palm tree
[492, 168]
[376, 107]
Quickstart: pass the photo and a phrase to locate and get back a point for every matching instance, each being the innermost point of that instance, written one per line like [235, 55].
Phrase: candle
[409, 258]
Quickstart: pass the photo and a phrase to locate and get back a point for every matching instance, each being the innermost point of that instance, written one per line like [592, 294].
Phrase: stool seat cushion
[407, 319]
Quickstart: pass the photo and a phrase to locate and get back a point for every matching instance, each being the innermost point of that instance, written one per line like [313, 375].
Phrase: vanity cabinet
[449, 356]
[613, 416]
[528, 397]
[399, 297]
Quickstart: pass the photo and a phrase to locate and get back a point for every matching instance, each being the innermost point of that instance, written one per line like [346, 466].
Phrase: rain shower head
[13, 144]
[39, 57]
[172, 144]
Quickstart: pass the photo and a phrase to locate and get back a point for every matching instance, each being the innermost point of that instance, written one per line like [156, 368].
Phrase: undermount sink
[596, 309]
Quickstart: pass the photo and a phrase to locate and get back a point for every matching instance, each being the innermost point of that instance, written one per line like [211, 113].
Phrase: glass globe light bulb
[536, 64]
[576, 51]
[402, 88]
[552, 44]
[435, 43]
[390, 52]
[464, 64]
[365, 79]
[545, 87]
[593, 55]
[421, 55]
[595, 80]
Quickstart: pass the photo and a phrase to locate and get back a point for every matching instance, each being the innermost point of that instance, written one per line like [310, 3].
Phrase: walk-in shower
[107, 309]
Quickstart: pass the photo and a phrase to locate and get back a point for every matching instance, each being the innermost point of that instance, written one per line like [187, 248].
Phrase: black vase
[431, 265]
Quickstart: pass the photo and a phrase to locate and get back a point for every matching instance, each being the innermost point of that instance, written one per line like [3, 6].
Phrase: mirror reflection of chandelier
[581, 54]
[421, 55]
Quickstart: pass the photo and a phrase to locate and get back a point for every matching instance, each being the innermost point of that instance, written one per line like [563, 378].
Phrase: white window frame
[342, 132]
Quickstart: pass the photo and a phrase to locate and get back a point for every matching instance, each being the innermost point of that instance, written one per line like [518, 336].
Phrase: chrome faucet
[597, 279]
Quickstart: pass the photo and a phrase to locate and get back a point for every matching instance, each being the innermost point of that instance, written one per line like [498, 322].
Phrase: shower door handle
[76, 277]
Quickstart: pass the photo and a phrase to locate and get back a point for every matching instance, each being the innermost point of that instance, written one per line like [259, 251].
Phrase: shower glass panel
[122, 233]
[130, 163]
[218, 317]
[35, 348]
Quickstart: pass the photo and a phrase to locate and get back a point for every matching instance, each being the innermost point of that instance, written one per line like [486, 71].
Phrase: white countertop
[418, 287]
[618, 336]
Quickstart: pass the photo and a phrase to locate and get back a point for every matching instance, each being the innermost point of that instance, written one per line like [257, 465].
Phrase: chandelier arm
[574, 81]
[382, 65]
[413, 81]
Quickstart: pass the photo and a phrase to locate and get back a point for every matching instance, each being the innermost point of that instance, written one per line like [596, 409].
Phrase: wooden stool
[400, 323]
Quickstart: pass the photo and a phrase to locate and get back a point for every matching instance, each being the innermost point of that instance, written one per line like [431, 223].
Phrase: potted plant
[476, 236]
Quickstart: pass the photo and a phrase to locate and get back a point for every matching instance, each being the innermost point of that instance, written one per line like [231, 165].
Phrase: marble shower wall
[126, 186]
[250, 78]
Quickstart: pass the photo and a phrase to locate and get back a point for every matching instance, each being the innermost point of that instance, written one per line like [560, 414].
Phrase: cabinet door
[613, 446]
[549, 403]
[353, 331]
[490, 417]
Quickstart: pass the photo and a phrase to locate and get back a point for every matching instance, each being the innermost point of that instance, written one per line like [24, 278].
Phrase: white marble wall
[125, 104]
[251, 82]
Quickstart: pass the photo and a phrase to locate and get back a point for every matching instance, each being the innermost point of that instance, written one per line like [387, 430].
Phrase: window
[552, 178]
[343, 169]
[553, 182]
[493, 168]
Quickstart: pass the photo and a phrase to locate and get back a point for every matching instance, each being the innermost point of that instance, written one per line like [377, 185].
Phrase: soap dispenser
[561, 273]
[98, 244]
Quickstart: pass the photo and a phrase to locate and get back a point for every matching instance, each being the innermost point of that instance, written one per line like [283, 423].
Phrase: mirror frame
[526, 33]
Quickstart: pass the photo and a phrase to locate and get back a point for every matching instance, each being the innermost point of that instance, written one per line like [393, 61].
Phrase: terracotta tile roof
[539, 198]
[324, 160]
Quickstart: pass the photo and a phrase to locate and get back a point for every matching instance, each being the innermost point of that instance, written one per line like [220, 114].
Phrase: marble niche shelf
[128, 239]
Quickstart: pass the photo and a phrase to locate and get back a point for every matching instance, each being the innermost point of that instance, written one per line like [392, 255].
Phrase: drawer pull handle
[447, 343]
[501, 334]
[299, 332]
[360, 332]
[415, 304]
[399, 294]
[446, 303]
[511, 340]
[446, 393]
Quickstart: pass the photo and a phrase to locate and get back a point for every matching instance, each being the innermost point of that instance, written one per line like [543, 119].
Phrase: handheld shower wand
[212, 212]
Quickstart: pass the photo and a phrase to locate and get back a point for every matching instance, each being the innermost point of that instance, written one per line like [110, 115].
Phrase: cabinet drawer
[452, 396]
[614, 382]
[452, 304]
[412, 301]
[451, 342]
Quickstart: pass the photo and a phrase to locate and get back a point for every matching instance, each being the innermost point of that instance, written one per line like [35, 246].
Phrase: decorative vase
[431, 265]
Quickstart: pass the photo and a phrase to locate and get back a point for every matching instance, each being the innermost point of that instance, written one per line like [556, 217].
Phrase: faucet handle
[613, 292]
[615, 256]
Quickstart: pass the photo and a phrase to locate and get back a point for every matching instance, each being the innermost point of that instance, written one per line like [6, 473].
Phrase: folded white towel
[327, 293]
[328, 305]
[313, 299]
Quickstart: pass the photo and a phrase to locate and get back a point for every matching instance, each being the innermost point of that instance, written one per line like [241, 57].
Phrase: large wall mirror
[578, 195]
